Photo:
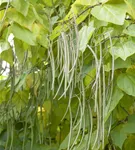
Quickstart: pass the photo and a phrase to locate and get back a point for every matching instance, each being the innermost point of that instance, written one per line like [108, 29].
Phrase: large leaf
[130, 30]
[41, 146]
[25, 21]
[123, 50]
[118, 63]
[41, 34]
[20, 99]
[114, 13]
[116, 97]
[23, 34]
[89, 77]
[19, 49]
[129, 143]
[21, 5]
[119, 134]
[126, 82]
[84, 35]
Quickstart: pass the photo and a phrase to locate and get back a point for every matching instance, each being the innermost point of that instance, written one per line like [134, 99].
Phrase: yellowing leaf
[23, 34]
[25, 21]
[21, 5]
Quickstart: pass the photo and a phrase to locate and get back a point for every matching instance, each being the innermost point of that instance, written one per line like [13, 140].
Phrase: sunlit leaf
[25, 21]
[89, 77]
[21, 6]
[130, 30]
[123, 50]
[23, 34]
[114, 13]
[8, 53]
[126, 82]
[131, 7]
[4, 46]
[85, 34]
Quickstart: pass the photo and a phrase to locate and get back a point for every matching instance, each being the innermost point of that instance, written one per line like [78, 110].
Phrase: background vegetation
[67, 74]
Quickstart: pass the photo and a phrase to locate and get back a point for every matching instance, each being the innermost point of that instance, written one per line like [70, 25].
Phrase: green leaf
[131, 7]
[116, 97]
[126, 102]
[41, 146]
[25, 21]
[21, 6]
[123, 50]
[8, 59]
[4, 46]
[23, 34]
[4, 1]
[118, 63]
[130, 30]
[20, 99]
[41, 34]
[85, 34]
[49, 2]
[89, 2]
[119, 134]
[19, 49]
[126, 82]
[129, 143]
[3, 95]
[89, 77]
[114, 13]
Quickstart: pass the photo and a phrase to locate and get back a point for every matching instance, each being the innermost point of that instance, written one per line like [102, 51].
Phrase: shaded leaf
[116, 97]
[118, 63]
[119, 134]
[129, 143]
[19, 49]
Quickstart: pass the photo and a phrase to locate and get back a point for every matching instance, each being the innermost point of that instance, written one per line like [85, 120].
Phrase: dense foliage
[67, 74]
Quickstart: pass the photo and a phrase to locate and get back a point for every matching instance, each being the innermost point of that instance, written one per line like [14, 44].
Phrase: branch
[113, 37]
[90, 7]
